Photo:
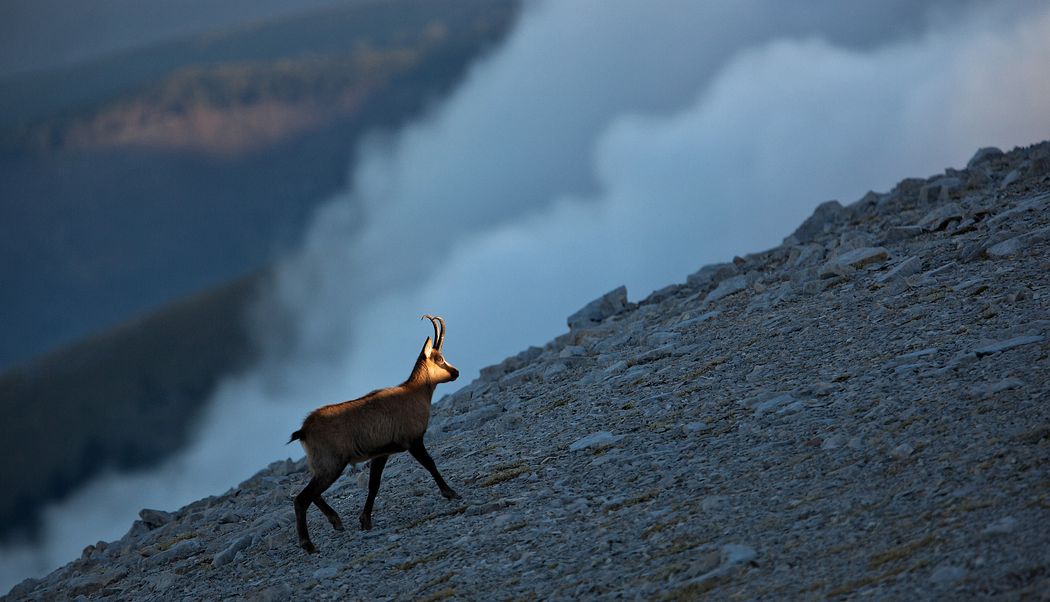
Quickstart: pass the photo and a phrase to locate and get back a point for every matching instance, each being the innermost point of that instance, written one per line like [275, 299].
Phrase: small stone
[733, 553]
[599, 439]
[273, 593]
[939, 217]
[154, 518]
[687, 324]
[183, 549]
[230, 553]
[844, 264]
[1003, 526]
[805, 255]
[939, 190]
[989, 389]
[900, 233]
[1010, 246]
[946, 575]
[710, 274]
[911, 265]
[661, 337]
[1006, 345]
[902, 451]
[712, 503]
[554, 370]
[572, 351]
[971, 286]
[727, 287]
[832, 442]
[908, 358]
[327, 572]
[696, 427]
[1010, 178]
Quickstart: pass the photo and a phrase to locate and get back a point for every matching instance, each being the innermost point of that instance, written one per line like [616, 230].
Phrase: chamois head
[431, 363]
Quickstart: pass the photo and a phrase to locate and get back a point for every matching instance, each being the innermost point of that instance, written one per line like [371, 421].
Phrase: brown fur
[372, 427]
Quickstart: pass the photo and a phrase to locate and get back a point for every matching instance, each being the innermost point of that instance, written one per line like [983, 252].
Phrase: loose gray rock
[710, 274]
[846, 263]
[227, 555]
[946, 575]
[907, 267]
[327, 572]
[596, 311]
[939, 217]
[727, 287]
[599, 439]
[182, 549]
[1006, 345]
[1003, 526]
[982, 155]
[824, 218]
[900, 233]
[154, 518]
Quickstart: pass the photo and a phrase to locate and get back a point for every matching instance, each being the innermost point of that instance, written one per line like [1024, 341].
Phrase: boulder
[597, 311]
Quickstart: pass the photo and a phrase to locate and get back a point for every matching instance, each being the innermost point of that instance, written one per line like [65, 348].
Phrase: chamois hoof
[308, 546]
[450, 495]
[338, 526]
[366, 523]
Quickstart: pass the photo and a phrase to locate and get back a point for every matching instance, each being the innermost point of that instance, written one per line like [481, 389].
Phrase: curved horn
[441, 339]
[437, 333]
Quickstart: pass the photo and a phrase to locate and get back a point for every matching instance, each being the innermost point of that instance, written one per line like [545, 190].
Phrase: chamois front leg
[419, 452]
[375, 475]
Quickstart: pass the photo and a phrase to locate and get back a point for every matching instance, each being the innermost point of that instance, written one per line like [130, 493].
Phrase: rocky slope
[859, 411]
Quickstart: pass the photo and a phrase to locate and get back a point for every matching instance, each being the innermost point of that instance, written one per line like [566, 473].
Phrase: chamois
[384, 422]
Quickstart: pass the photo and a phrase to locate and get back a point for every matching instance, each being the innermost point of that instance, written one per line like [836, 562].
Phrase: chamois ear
[428, 346]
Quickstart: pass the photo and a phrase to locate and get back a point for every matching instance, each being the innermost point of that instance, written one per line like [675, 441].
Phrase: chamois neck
[420, 379]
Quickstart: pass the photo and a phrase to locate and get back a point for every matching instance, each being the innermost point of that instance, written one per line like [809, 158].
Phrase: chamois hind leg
[419, 452]
[375, 475]
[308, 495]
[330, 514]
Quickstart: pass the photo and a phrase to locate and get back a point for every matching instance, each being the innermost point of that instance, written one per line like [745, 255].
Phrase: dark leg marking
[419, 452]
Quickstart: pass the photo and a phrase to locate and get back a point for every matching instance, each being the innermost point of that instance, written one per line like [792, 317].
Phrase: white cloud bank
[604, 144]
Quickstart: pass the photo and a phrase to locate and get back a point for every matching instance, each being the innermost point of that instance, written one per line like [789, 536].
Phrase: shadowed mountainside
[860, 411]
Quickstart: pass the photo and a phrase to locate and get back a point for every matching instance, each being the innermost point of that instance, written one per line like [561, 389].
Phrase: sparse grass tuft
[645, 497]
[404, 566]
[506, 474]
[706, 367]
[437, 515]
[899, 552]
[180, 537]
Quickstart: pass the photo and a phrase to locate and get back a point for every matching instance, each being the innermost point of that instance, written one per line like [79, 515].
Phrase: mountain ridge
[857, 411]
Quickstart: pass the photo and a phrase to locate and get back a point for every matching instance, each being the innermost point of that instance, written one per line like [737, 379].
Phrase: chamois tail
[296, 435]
